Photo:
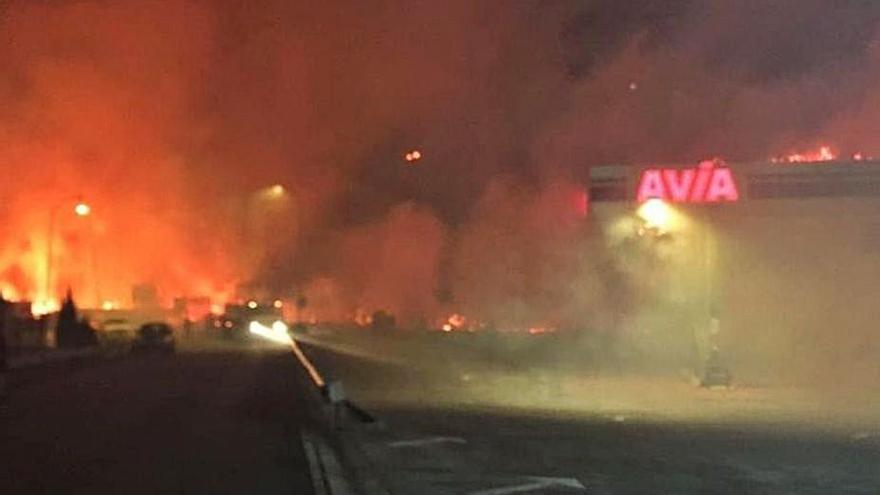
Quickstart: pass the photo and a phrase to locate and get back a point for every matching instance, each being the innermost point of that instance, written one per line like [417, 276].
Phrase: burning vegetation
[402, 163]
[822, 154]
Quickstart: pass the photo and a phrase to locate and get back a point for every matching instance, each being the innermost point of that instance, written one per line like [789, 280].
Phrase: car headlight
[277, 332]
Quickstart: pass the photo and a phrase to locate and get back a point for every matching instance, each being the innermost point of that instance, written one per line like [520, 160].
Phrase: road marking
[328, 477]
[421, 442]
[318, 482]
[536, 483]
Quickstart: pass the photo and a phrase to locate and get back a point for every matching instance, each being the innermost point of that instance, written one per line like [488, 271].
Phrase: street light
[267, 217]
[660, 220]
[656, 213]
[273, 193]
[80, 209]
[277, 191]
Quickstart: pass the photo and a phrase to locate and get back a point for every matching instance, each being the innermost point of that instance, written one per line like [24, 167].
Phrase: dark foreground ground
[213, 420]
[500, 433]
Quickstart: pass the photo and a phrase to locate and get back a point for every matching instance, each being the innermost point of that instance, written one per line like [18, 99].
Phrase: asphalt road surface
[517, 435]
[206, 420]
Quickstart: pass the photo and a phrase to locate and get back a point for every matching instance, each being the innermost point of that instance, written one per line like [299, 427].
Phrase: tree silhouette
[70, 331]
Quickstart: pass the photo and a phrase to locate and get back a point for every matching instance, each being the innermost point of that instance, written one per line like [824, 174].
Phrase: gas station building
[775, 265]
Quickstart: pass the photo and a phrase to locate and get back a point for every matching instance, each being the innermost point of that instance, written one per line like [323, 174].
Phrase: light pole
[258, 205]
[263, 222]
[80, 209]
[656, 215]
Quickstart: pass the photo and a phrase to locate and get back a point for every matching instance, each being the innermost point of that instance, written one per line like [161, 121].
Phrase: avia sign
[710, 182]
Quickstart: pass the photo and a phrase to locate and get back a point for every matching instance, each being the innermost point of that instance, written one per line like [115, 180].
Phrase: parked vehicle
[157, 336]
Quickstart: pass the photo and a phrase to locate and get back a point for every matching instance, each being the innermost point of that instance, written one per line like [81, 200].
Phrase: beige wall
[799, 285]
[794, 284]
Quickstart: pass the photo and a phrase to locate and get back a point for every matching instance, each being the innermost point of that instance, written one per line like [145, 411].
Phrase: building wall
[793, 284]
[799, 287]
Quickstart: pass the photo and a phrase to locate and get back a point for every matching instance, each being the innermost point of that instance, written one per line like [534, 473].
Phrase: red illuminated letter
[704, 173]
[651, 186]
[710, 182]
[678, 183]
[722, 187]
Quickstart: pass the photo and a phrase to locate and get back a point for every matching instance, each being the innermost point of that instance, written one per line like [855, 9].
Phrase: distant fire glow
[711, 182]
[413, 156]
[52, 243]
[454, 322]
[822, 154]
[540, 329]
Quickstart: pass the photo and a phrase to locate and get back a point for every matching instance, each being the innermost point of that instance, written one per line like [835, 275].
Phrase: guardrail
[332, 393]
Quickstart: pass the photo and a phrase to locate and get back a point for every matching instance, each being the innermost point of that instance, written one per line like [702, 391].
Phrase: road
[492, 433]
[210, 419]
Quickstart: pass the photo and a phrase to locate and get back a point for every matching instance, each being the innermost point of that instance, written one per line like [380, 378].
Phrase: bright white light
[44, 307]
[276, 333]
[82, 209]
[252, 304]
[413, 156]
[278, 304]
[277, 191]
[656, 213]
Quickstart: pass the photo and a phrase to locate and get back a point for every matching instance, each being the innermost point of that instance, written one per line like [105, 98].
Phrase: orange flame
[823, 154]
[100, 256]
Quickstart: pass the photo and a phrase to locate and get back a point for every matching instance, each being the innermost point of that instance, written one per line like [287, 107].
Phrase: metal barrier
[332, 393]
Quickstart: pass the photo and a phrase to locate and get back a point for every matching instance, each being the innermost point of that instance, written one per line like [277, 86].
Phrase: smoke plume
[172, 118]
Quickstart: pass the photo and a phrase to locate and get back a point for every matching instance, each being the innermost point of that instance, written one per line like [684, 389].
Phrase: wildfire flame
[100, 255]
[823, 154]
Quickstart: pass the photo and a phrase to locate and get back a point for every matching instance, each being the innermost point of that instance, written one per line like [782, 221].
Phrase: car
[236, 322]
[155, 336]
[117, 330]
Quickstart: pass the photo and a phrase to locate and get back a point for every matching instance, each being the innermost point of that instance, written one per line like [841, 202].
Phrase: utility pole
[4, 363]
[80, 209]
